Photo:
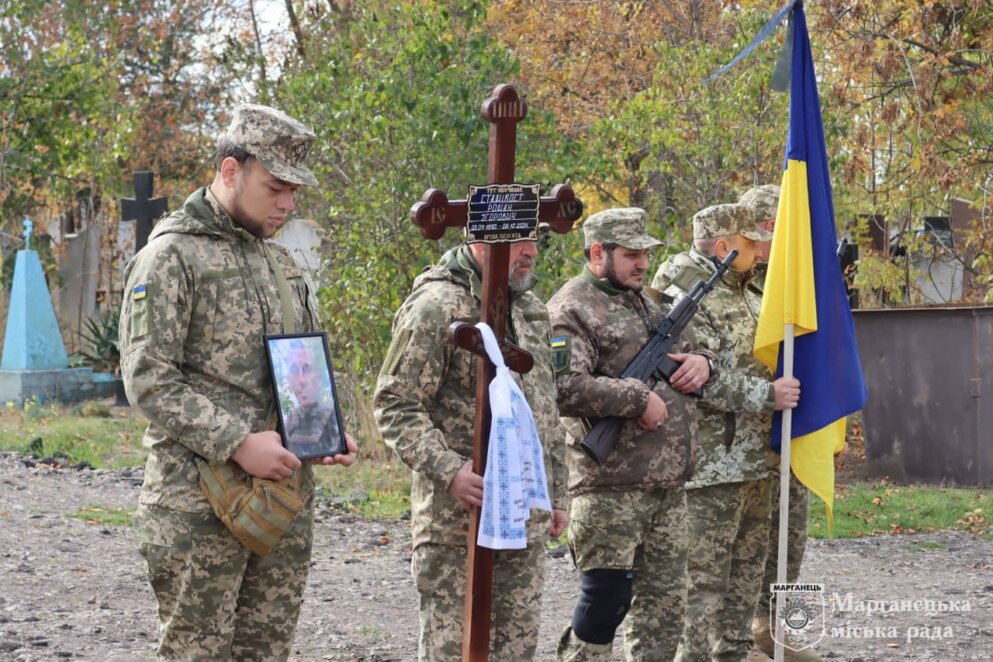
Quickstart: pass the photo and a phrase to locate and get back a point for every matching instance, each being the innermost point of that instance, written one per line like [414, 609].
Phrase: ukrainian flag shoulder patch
[561, 352]
[139, 292]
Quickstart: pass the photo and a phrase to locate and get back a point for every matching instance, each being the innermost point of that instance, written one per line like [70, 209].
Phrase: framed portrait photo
[306, 399]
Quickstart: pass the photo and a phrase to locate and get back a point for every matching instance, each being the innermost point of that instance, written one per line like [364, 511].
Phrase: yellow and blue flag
[804, 287]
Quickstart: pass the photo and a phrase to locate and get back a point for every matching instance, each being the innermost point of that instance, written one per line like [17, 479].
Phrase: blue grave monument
[34, 363]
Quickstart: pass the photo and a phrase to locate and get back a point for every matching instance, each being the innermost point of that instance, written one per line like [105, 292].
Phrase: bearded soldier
[425, 404]
[626, 530]
[199, 299]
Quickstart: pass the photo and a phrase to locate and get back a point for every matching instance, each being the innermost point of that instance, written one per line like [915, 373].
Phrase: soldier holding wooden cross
[425, 409]
[432, 405]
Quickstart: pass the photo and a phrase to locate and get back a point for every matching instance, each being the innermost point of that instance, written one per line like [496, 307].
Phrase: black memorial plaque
[501, 213]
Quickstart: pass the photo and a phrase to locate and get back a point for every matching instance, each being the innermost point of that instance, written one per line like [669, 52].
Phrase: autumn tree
[393, 90]
[90, 91]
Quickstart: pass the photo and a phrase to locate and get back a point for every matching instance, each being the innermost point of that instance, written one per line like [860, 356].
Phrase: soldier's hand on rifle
[262, 455]
[467, 486]
[692, 374]
[344, 460]
[560, 520]
[655, 413]
[787, 392]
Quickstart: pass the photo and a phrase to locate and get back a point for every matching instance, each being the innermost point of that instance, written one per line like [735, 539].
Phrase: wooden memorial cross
[142, 208]
[433, 215]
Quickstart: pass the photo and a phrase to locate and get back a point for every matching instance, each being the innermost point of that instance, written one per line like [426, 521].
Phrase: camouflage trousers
[217, 600]
[518, 578]
[643, 532]
[727, 527]
[796, 540]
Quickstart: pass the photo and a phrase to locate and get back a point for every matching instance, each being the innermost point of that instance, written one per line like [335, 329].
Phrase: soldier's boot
[762, 635]
[573, 649]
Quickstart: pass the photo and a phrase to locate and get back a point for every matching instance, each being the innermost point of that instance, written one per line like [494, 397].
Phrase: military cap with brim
[763, 200]
[279, 142]
[726, 221]
[624, 226]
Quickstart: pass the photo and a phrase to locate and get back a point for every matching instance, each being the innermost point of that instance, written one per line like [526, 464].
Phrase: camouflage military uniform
[198, 299]
[728, 496]
[425, 404]
[311, 429]
[796, 540]
[764, 201]
[628, 514]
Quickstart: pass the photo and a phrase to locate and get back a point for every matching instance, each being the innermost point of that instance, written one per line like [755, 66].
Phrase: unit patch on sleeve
[561, 351]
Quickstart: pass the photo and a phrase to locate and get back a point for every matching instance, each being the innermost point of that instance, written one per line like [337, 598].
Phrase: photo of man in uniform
[311, 427]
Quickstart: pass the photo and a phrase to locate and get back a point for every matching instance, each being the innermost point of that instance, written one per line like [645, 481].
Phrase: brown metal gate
[929, 372]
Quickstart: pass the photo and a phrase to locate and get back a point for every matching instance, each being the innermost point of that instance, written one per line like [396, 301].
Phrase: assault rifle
[652, 362]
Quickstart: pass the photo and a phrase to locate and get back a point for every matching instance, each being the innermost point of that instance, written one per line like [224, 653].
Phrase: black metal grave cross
[142, 208]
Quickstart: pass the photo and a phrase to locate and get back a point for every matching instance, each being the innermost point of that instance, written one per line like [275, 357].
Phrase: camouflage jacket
[736, 413]
[596, 331]
[425, 395]
[198, 300]
[311, 429]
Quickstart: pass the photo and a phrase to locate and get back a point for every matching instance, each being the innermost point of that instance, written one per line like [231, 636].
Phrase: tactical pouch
[257, 511]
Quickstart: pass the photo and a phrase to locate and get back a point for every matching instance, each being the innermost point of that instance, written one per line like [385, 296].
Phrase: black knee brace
[605, 598]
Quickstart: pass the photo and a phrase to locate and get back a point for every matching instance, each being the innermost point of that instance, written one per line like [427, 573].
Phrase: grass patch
[104, 516]
[90, 433]
[110, 438]
[370, 488]
[879, 508]
[374, 632]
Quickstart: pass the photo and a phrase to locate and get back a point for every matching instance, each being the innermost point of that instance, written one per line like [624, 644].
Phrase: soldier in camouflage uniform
[311, 428]
[728, 497]
[198, 299]
[626, 517]
[425, 406]
[764, 202]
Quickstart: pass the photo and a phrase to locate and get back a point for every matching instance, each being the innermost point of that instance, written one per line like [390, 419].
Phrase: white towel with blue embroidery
[514, 480]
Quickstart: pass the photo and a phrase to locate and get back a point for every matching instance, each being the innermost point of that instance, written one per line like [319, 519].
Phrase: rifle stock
[653, 363]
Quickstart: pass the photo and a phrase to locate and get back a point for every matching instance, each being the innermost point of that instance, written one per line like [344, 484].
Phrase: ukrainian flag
[804, 287]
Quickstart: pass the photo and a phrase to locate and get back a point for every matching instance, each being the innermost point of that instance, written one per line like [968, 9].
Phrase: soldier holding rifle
[626, 515]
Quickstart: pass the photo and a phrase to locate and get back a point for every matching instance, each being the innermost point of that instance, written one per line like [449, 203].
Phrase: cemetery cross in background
[433, 215]
[142, 208]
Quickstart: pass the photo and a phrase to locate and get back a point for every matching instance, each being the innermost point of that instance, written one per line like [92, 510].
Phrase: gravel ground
[76, 589]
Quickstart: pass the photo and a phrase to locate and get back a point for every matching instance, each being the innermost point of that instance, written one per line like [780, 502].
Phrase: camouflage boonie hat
[278, 141]
[763, 200]
[727, 220]
[624, 226]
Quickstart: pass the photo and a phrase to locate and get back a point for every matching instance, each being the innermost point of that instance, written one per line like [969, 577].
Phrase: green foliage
[53, 430]
[877, 277]
[681, 145]
[91, 91]
[868, 509]
[94, 514]
[102, 348]
[393, 90]
[375, 489]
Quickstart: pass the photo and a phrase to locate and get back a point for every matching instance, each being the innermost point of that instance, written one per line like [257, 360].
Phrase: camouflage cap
[624, 226]
[278, 141]
[727, 220]
[763, 200]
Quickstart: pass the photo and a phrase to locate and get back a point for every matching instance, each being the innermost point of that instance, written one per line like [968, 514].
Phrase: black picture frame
[310, 422]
